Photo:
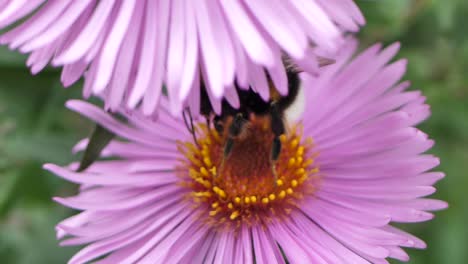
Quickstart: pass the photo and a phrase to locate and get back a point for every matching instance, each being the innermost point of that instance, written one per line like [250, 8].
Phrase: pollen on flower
[243, 187]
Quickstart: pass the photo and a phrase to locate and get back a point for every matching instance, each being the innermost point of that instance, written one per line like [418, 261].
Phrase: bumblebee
[279, 110]
[235, 121]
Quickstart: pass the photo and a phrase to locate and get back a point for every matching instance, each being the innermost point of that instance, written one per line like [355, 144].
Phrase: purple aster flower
[349, 168]
[127, 50]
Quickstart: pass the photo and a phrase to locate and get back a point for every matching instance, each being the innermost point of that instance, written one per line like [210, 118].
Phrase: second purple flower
[127, 50]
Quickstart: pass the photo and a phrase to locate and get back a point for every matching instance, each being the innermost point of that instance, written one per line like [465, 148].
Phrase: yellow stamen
[207, 161]
[202, 194]
[299, 160]
[213, 171]
[204, 151]
[300, 151]
[234, 215]
[279, 182]
[214, 212]
[240, 187]
[294, 143]
[294, 183]
[300, 171]
[282, 194]
[192, 148]
[204, 172]
[253, 198]
[192, 159]
[193, 173]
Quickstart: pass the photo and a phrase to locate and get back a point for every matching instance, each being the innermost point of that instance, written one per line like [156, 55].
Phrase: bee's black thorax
[252, 103]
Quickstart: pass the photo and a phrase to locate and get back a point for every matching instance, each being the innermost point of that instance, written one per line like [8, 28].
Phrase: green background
[36, 128]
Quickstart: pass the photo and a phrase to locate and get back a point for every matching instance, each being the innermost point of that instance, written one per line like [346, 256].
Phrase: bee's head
[234, 126]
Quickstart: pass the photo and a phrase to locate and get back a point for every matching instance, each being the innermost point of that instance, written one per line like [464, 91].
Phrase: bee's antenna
[208, 122]
[322, 61]
[293, 67]
[290, 65]
[190, 126]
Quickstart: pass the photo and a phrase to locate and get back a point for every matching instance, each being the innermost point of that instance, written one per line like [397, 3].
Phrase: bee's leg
[189, 124]
[218, 125]
[226, 151]
[208, 122]
[277, 127]
[234, 130]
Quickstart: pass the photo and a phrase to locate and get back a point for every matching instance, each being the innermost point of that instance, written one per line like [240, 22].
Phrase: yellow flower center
[246, 186]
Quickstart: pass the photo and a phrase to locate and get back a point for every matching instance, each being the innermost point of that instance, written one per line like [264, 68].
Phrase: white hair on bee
[295, 111]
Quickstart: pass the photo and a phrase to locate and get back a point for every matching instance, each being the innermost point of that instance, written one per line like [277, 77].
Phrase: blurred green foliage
[36, 128]
[434, 38]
